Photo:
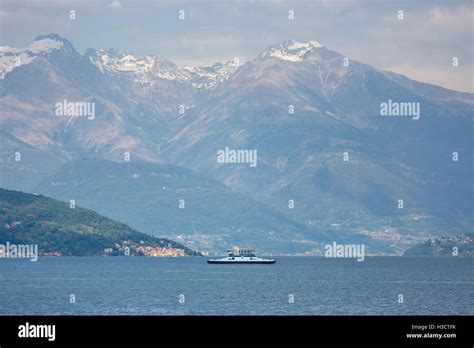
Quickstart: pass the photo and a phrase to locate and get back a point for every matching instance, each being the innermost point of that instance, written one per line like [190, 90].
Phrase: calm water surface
[152, 286]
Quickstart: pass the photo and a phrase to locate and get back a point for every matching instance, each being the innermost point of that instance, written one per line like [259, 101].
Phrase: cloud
[437, 25]
[423, 44]
[50, 7]
[115, 4]
[202, 47]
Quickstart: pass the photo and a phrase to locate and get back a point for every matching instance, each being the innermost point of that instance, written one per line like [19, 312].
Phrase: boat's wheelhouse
[238, 252]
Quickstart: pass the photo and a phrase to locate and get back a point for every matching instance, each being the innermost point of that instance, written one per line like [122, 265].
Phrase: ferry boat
[241, 256]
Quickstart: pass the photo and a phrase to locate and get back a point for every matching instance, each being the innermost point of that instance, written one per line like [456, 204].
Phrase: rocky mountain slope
[328, 157]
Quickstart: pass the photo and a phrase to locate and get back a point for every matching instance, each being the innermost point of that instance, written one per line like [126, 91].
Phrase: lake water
[155, 286]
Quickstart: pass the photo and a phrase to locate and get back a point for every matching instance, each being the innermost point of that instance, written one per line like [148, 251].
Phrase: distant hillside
[58, 229]
[147, 197]
[444, 246]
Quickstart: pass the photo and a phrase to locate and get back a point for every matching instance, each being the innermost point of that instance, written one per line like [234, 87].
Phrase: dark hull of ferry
[241, 262]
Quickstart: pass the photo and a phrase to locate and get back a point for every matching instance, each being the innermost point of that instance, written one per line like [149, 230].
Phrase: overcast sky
[421, 45]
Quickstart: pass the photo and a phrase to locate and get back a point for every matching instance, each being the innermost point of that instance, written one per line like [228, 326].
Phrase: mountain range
[330, 166]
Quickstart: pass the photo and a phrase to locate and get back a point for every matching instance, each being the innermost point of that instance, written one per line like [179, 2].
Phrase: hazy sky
[421, 45]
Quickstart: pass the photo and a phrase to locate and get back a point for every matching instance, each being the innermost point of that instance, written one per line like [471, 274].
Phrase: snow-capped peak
[294, 45]
[12, 57]
[208, 77]
[44, 45]
[145, 71]
[112, 60]
[291, 50]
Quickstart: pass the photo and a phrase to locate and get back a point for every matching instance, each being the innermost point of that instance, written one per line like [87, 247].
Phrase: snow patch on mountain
[208, 77]
[146, 70]
[12, 58]
[44, 45]
[142, 70]
[290, 50]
